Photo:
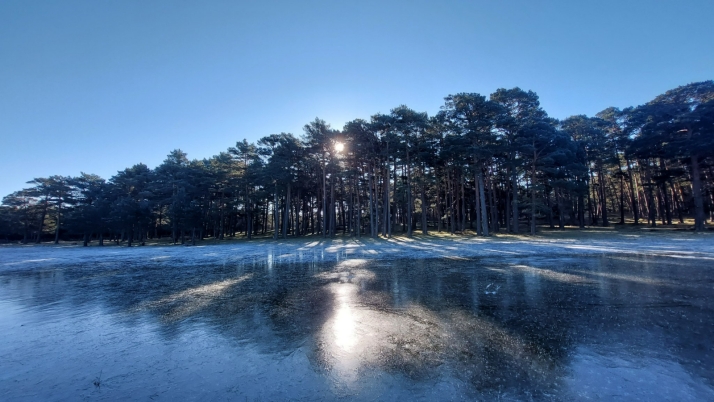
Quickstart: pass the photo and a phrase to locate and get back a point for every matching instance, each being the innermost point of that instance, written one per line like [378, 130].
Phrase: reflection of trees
[491, 340]
[277, 309]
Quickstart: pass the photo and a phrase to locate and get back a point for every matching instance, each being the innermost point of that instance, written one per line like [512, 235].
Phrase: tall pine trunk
[533, 197]
[409, 197]
[59, 212]
[387, 206]
[275, 214]
[633, 193]
[371, 203]
[603, 196]
[482, 198]
[424, 224]
[514, 199]
[697, 195]
[42, 219]
[286, 215]
[332, 205]
[477, 196]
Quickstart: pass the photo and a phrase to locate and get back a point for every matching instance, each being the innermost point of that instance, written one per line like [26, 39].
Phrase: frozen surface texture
[629, 318]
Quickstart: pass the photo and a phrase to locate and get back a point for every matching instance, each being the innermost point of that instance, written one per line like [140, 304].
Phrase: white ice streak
[507, 249]
[186, 302]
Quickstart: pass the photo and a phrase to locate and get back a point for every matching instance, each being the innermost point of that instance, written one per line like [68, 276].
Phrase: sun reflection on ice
[342, 341]
[343, 326]
[348, 335]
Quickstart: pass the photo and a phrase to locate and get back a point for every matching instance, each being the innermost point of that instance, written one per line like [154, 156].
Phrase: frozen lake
[292, 322]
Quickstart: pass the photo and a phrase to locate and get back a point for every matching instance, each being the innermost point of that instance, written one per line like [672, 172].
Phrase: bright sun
[339, 146]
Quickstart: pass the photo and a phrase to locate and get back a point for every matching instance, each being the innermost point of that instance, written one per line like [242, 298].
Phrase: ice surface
[445, 319]
[685, 247]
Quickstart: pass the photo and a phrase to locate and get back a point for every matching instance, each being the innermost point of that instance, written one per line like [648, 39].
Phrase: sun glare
[339, 146]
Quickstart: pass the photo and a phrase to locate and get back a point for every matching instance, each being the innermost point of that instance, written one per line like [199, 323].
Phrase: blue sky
[97, 86]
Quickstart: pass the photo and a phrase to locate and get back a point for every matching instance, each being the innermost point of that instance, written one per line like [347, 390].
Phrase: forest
[480, 165]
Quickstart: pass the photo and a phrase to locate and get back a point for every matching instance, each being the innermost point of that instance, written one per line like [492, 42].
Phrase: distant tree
[131, 211]
[519, 109]
[170, 182]
[248, 169]
[473, 117]
[41, 191]
[591, 136]
[479, 164]
[319, 141]
[90, 206]
[19, 206]
[615, 124]
[679, 124]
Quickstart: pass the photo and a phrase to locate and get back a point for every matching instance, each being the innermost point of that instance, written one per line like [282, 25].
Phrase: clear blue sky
[97, 86]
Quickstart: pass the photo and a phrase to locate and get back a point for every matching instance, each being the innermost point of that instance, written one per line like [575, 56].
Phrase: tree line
[481, 164]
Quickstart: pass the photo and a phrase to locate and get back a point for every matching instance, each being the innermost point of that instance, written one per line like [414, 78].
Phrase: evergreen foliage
[484, 164]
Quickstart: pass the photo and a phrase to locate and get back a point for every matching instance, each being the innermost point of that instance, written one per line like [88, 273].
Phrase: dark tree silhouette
[480, 164]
